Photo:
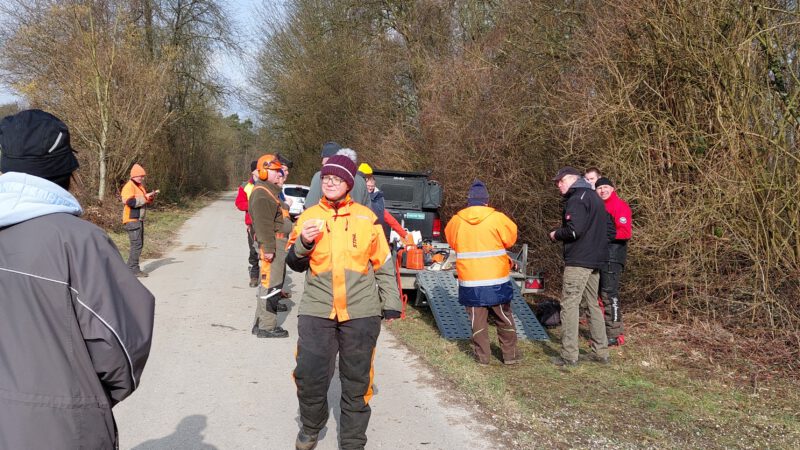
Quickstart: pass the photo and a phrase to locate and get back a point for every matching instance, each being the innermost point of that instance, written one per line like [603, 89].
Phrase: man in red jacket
[242, 201]
[610, 274]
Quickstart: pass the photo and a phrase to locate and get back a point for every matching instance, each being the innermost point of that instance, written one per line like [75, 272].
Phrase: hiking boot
[253, 281]
[281, 308]
[561, 362]
[141, 274]
[616, 341]
[278, 332]
[594, 357]
[306, 441]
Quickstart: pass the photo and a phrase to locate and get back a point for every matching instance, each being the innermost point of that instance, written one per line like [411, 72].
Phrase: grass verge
[163, 223]
[646, 398]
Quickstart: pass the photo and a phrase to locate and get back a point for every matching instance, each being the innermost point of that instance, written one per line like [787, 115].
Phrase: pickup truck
[414, 199]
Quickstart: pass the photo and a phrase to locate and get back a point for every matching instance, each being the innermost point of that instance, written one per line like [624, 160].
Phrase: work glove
[390, 314]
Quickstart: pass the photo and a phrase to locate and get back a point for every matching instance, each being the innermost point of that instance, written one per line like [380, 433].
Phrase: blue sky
[233, 66]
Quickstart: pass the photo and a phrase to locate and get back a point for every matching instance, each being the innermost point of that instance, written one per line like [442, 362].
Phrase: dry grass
[660, 391]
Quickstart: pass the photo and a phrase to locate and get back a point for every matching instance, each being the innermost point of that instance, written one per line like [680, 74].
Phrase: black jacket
[586, 227]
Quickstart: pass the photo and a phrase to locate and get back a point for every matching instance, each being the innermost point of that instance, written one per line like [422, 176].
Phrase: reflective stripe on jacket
[134, 198]
[480, 236]
[350, 272]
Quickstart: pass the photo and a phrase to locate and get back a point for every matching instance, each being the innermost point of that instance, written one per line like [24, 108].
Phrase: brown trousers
[506, 331]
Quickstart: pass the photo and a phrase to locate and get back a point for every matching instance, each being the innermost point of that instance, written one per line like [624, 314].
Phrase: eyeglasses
[332, 179]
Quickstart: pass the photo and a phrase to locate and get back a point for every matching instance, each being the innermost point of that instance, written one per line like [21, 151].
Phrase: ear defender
[265, 164]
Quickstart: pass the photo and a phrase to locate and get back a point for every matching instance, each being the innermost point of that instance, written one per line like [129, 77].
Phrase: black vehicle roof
[398, 173]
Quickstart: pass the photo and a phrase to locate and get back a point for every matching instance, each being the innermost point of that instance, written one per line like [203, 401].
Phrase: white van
[297, 193]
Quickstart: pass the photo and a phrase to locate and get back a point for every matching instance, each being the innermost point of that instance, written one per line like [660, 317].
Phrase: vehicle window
[398, 193]
[295, 192]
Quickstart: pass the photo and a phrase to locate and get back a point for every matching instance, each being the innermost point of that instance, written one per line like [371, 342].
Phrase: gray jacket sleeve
[360, 194]
[114, 312]
[314, 191]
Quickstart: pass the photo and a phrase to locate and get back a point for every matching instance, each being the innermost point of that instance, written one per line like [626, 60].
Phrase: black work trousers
[253, 258]
[319, 341]
[136, 237]
[610, 275]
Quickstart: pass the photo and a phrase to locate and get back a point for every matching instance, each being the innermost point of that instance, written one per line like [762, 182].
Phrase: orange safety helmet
[137, 171]
[265, 164]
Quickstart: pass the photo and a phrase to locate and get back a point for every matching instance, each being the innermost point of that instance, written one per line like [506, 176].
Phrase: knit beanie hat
[37, 143]
[341, 166]
[137, 171]
[330, 148]
[603, 181]
[478, 194]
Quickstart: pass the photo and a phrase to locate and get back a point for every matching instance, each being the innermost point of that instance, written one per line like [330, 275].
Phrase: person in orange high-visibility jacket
[135, 199]
[350, 283]
[480, 236]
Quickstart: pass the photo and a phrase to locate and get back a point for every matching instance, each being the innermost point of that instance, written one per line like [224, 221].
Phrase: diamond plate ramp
[441, 290]
[528, 326]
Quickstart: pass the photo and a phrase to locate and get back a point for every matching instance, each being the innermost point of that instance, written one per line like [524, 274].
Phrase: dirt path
[210, 384]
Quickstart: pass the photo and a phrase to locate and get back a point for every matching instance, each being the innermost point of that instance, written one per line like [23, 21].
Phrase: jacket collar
[24, 197]
[340, 208]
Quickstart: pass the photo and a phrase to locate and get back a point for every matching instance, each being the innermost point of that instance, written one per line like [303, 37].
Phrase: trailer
[436, 287]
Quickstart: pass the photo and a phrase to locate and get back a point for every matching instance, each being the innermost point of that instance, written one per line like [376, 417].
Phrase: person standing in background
[480, 235]
[135, 199]
[268, 222]
[243, 204]
[378, 204]
[591, 175]
[611, 273]
[585, 233]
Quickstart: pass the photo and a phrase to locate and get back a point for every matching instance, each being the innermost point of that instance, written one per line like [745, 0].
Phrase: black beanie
[602, 181]
[37, 143]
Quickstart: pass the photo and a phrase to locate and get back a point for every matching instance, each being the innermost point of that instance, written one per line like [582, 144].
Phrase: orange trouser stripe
[368, 395]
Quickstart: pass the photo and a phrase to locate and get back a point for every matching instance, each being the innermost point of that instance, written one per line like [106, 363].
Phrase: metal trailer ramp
[441, 289]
